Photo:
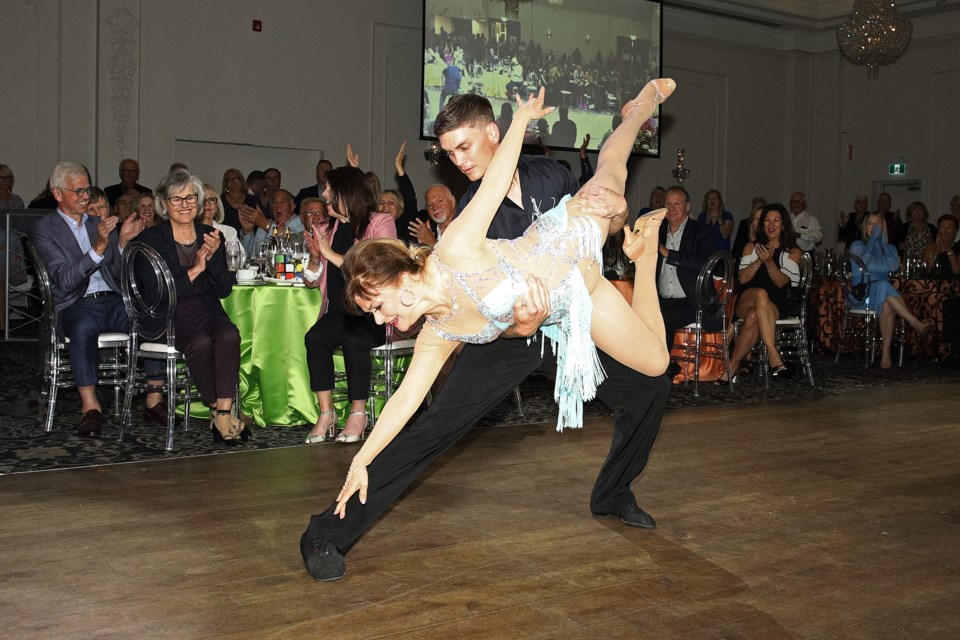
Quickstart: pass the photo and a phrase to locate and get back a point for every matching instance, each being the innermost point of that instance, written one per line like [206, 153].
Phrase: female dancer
[467, 286]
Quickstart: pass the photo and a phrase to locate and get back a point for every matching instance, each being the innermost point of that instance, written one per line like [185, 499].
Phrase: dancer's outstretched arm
[429, 355]
[470, 227]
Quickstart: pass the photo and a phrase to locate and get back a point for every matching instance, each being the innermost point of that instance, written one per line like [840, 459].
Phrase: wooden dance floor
[834, 518]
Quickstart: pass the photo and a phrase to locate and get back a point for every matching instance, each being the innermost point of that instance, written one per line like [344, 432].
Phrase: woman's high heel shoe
[723, 383]
[344, 438]
[232, 436]
[244, 429]
[316, 438]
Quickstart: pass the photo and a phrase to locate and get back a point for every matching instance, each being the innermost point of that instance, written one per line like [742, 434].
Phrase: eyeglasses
[212, 201]
[6, 177]
[178, 200]
[81, 192]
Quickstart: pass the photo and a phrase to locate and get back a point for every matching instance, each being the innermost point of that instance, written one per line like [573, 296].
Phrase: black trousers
[482, 376]
[678, 313]
[210, 343]
[356, 336]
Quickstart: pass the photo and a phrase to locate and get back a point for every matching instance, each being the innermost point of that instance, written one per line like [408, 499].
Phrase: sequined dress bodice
[552, 247]
[561, 251]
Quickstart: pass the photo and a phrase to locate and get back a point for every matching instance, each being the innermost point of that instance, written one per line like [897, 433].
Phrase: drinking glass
[233, 255]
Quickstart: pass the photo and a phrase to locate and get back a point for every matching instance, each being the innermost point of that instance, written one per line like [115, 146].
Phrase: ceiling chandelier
[874, 35]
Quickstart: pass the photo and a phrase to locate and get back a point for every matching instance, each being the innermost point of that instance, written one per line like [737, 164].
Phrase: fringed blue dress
[558, 249]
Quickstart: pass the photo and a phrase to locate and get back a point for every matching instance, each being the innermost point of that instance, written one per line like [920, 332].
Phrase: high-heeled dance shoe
[347, 439]
[779, 372]
[316, 438]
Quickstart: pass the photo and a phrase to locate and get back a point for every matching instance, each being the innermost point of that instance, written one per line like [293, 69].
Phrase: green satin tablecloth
[274, 383]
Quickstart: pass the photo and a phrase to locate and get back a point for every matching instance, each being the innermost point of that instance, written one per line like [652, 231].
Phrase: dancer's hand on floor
[356, 481]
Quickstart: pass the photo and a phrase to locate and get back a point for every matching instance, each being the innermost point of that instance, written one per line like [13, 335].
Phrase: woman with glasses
[211, 214]
[210, 342]
[8, 199]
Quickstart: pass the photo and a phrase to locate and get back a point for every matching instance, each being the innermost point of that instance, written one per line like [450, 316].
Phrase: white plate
[282, 283]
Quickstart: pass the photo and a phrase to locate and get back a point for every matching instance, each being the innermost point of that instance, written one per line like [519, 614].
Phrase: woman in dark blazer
[196, 257]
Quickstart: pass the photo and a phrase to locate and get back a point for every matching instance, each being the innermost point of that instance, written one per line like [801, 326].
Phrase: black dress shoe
[157, 413]
[321, 559]
[89, 423]
[633, 516]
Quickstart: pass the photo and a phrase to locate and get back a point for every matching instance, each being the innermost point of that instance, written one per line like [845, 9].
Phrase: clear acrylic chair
[791, 331]
[714, 289]
[855, 281]
[56, 373]
[150, 297]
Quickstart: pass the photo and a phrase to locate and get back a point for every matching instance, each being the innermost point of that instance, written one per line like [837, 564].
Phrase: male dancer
[484, 374]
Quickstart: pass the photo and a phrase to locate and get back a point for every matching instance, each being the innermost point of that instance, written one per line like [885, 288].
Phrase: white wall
[759, 111]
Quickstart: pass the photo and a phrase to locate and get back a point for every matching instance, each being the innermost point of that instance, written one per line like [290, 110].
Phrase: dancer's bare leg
[640, 245]
[618, 332]
[612, 163]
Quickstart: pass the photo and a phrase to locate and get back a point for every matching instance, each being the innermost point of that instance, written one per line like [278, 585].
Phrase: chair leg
[51, 404]
[843, 333]
[698, 344]
[128, 397]
[171, 401]
[516, 397]
[901, 338]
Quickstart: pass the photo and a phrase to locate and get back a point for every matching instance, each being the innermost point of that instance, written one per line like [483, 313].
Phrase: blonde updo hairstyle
[372, 264]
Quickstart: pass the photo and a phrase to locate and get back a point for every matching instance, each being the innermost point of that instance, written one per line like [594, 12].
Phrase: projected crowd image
[590, 64]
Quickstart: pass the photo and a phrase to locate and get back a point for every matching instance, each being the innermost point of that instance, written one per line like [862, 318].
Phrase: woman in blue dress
[881, 258]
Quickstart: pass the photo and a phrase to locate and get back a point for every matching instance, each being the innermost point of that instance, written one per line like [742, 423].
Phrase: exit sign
[897, 169]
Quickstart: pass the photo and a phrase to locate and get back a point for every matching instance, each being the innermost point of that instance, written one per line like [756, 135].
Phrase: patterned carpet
[24, 446]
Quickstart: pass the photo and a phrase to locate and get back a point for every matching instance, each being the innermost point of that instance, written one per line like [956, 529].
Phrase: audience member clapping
[881, 258]
[351, 208]
[195, 255]
[940, 256]
[768, 268]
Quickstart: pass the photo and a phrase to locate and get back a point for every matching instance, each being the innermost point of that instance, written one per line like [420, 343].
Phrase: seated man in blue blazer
[685, 246]
[82, 255]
